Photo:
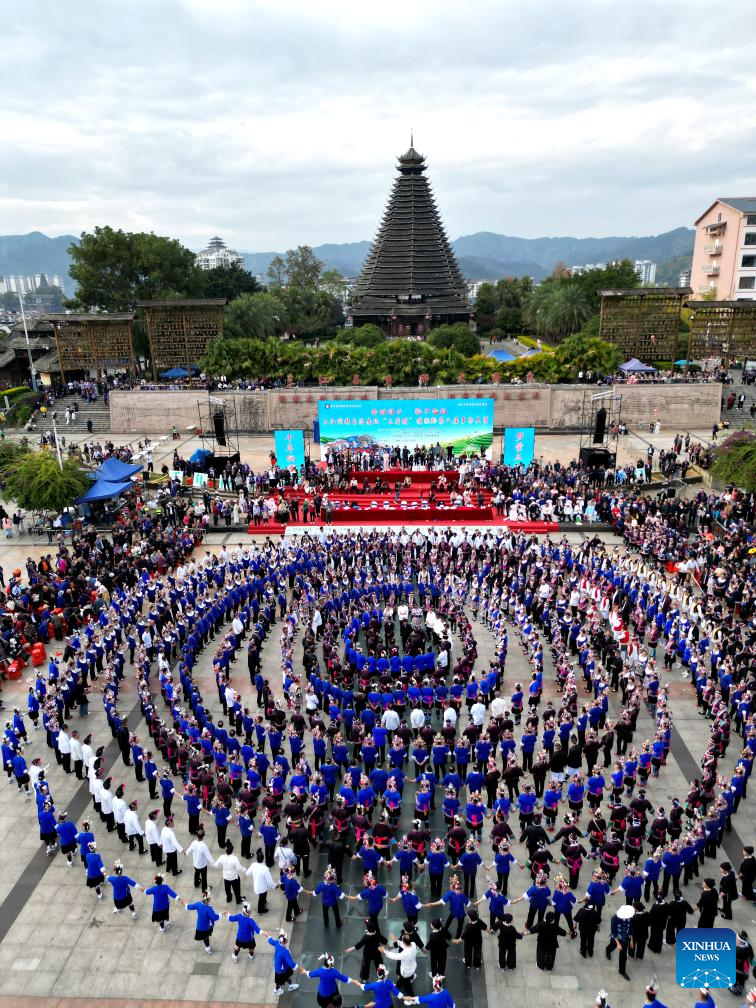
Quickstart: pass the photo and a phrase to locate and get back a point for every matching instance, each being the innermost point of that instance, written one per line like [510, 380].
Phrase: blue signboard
[464, 424]
[705, 957]
[519, 445]
[289, 448]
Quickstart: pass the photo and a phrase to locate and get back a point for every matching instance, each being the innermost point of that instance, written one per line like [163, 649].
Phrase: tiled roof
[745, 204]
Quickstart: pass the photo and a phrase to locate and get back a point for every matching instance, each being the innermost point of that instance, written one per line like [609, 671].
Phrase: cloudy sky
[276, 122]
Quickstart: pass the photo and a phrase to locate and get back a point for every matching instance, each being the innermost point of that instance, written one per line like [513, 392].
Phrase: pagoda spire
[411, 279]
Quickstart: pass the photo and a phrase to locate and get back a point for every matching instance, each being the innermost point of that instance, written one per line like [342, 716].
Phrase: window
[749, 262]
[751, 219]
[749, 238]
[747, 283]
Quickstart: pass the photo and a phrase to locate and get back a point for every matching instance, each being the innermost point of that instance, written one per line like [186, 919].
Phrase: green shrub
[18, 415]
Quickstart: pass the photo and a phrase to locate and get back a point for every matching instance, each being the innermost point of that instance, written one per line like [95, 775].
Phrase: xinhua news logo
[705, 957]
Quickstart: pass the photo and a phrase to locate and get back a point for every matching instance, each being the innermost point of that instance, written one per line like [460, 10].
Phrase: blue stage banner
[464, 424]
[519, 445]
[290, 448]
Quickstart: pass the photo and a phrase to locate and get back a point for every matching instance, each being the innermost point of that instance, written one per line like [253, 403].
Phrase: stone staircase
[95, 411]
[738, 417]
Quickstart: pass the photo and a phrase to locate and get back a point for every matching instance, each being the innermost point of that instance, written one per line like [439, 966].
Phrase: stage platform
[412, 507]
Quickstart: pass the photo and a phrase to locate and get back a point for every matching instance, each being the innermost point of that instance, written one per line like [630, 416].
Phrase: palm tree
[257, 316]
[566, 310]
[537, 304]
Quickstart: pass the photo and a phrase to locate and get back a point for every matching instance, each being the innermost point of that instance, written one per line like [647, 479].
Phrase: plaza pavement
[60, 947]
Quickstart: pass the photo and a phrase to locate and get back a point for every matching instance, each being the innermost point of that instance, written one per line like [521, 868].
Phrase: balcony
[713, 249]
[712, 269]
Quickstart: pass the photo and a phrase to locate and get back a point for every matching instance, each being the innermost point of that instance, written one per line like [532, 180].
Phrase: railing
[711, 270]
[713, 249]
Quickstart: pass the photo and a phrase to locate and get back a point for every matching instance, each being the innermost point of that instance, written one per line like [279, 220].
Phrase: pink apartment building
[724, 255]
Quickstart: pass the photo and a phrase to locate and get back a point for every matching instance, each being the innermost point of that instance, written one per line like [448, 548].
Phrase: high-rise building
[724, 254]
[646, 272]
[28, 284]
[411, 281]
[684, 278]
[217, 254]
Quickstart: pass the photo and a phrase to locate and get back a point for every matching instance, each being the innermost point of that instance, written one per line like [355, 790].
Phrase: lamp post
[57, 446]
[28, 345]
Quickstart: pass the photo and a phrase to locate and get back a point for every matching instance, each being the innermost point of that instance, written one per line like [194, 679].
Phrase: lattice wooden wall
[94, 344]
[641, 325]
[179, 336]
[722, 329]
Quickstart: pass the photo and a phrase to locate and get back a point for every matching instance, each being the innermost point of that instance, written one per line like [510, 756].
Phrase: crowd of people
[384, 704]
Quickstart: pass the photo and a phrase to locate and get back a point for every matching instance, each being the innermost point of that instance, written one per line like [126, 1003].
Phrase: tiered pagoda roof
[411, 270]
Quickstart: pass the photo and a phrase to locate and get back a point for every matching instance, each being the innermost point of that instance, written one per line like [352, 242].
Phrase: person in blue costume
[439, 996]
[94, 865]
[206, 918]
[161, 901]
[651, 998]
[283, 963]
[122, 886]
[383, 990]
[246, 929]
[328, 978]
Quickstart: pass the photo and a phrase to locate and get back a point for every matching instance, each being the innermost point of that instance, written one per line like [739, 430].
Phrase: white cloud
[275, 123]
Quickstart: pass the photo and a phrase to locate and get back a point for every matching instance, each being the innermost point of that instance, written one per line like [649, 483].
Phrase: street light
[28, 345]
[57, 445]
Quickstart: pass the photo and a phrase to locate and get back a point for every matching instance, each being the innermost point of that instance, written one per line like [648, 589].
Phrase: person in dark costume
[549, 933]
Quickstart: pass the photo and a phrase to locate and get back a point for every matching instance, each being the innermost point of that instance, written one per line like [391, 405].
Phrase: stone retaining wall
[552, 407]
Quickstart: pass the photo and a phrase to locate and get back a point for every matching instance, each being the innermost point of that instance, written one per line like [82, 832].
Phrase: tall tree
[303, 268]
[333, 283]
[36, 483]
[229, 282]
[615, 276]
[277, 271]
[485, 307]
[256, 316]
[509, 319]
[115, 269]
[308, 311]
[567, 309]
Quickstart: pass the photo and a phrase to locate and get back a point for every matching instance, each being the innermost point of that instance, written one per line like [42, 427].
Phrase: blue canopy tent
[180, 372]
[198, 457]
[103, 490]
[634, 366]
[115, 471]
